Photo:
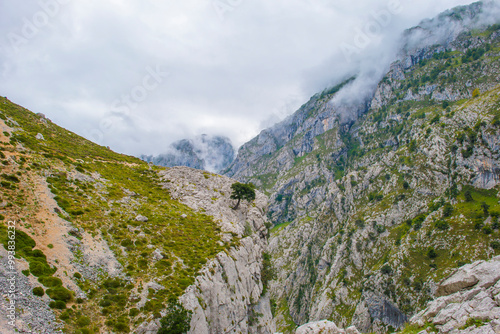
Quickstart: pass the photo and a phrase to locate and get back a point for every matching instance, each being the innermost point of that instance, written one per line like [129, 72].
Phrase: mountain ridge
[359, 206]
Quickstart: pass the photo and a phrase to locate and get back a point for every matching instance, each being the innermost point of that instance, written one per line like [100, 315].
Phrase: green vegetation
[242, 191]
[103, 201]
[38, 291]
[389, 162]
[267, 273]
[177, 319]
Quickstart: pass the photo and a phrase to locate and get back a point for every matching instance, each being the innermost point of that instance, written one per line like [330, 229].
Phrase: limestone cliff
[376, 201]
[228, 296]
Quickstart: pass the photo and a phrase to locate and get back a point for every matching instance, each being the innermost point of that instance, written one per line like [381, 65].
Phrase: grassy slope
[94, 205]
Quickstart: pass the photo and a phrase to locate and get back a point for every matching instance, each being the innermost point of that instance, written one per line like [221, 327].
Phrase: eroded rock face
[326, 195]
[472, 292]
[227, 296]
[324, 327]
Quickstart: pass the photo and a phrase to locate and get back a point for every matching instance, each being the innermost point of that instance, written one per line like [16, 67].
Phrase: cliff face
[376, 201]
[228, 295]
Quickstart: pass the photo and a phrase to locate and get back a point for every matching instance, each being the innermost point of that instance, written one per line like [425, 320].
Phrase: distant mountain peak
[211, 153]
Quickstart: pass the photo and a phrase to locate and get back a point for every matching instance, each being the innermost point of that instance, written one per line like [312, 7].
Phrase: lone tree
[241, 191]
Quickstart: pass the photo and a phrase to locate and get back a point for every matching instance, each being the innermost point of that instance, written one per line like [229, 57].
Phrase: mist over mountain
[376, 185]
[211, 153]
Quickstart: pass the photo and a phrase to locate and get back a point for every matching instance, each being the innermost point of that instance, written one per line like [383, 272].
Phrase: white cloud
[232, 71]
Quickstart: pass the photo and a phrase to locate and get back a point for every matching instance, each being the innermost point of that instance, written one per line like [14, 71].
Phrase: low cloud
[234, 67]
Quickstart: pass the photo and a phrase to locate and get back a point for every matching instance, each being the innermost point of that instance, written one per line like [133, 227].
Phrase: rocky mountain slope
[211, 153]
[375, 201]
[469, 301]
[103, 240]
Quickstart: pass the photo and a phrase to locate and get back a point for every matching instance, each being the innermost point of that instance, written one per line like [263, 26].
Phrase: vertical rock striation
[227, 296]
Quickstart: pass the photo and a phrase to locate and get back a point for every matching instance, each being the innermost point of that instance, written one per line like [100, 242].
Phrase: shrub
[143, 264]
[60, 293]
[475, 93]
[50, 282]
[360, 223]
[468, 196]
[112, 284]
[38, 291]
[126, 243]
[83, 321]
[50, 246]
[65, 315]
[38, 269]
[413, 146]
[406, 185]
[84, 331]
[485, 208]
[379, 228]
[468, 152]
[447, 210]
[435, 119]
[495, 244]
[105, 303]
[386, 269]
[77, 275]
[58, 304]
[417, 226]
[122, 327]
[177, 320]
[442, 225]
[432, 253]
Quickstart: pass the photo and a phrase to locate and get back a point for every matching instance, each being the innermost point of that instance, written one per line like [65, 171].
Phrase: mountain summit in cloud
[212, 153]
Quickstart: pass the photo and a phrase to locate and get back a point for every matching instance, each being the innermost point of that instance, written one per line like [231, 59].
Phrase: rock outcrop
[324, 327]
[227, 296]
[468, 301]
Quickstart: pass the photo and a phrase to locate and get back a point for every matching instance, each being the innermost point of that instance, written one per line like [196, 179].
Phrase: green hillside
[100, 193]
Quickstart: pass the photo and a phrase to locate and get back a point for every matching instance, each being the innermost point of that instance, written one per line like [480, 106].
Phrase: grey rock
[228, 290]
[319, 327]
[141, 218]
[485, 274]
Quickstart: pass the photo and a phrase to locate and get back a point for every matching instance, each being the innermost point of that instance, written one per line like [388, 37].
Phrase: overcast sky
[138, 75]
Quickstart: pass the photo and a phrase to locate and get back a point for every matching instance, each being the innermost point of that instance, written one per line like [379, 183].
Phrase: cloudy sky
[138, 75]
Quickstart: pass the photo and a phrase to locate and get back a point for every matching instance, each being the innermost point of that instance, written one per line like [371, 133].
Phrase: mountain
[380, 194]
[103, 241]
[211, 153]
[381, 215]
